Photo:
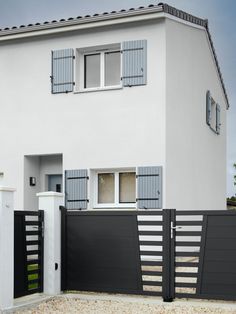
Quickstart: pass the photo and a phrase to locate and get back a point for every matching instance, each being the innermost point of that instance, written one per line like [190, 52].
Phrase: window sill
[113, 208]
[116, 207]
[88, 90]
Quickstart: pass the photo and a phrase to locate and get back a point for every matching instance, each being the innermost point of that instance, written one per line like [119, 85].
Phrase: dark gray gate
[206, 261]
[28, 252]
[166, 253]
[101, 252]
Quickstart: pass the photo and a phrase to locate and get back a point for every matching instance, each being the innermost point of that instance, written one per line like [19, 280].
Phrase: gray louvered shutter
[149, 187]
[62, 78]
[76, 182]
[208, 107]
[218, 119]
[134, 63]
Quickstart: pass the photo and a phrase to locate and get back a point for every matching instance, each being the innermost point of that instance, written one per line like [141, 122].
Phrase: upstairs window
[102, 69]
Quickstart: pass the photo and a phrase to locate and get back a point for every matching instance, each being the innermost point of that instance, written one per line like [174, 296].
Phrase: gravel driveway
[125, 305]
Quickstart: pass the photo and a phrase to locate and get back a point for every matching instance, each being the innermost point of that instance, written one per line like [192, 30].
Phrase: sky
[222, 22]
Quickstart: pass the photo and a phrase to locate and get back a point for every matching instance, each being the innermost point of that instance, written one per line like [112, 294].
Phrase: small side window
[212, 113]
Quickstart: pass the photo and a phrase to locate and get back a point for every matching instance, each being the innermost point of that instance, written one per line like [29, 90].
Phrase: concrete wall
[104, 129]
[195, 156]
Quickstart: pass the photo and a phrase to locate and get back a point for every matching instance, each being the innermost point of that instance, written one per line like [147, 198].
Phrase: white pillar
[6, 247]
[50, 203]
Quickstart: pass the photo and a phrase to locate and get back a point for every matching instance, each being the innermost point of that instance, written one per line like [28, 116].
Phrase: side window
[212, 113]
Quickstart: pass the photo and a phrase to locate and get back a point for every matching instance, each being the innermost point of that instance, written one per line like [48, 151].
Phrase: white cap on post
[6, 247]
[50, 202]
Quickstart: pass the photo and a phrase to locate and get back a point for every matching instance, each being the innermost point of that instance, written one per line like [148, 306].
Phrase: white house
[127, 108]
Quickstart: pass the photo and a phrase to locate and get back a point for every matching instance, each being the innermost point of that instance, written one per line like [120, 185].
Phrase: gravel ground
[75, 305]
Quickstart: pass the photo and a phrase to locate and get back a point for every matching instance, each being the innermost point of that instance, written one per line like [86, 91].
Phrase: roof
[161, 7]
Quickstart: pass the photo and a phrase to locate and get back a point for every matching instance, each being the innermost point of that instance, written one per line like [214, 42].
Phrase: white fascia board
[87, 23]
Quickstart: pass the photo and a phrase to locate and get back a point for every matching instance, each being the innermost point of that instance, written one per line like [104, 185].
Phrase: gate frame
[64, 213]
[169, 224]
[40, 259]
[168, 276]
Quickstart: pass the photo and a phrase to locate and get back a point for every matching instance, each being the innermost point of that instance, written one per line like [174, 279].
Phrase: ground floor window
[115, 189]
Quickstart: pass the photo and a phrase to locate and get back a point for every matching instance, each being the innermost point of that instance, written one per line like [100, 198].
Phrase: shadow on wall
[40, 172]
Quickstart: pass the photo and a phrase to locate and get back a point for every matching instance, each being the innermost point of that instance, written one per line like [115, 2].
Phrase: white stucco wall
[31, 169]
[39, 167]
[49, 165]
[195, 156]
[162, 123]
[105, 129]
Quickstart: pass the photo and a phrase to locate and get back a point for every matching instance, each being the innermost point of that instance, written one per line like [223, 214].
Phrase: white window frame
[102, 86]
[116, 203]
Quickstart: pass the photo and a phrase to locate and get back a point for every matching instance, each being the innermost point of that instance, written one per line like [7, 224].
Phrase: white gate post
[6, 247]
[50, 203]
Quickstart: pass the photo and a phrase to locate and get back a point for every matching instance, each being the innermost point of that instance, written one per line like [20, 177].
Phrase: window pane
[127, 187]
[92, 71]
[112, 68]
[106, 188]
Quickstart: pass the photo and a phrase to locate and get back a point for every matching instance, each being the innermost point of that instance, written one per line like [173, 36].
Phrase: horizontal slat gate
[188, 241]
[205, 254]
[28, 252]
[101, 252]
[112, 251]
[168, 253]
[150, 229]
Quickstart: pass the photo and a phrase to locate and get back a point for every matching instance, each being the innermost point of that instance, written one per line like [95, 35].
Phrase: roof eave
[63, 26]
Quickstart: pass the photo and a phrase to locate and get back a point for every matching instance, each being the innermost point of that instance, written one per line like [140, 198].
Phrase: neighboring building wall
[104, 129]
[196, 157]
